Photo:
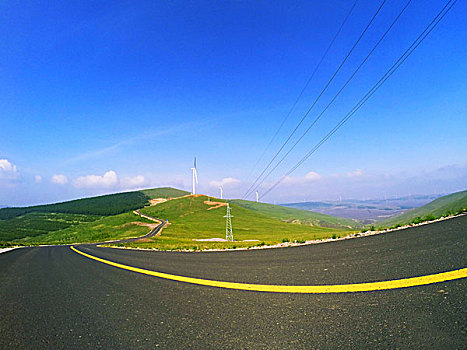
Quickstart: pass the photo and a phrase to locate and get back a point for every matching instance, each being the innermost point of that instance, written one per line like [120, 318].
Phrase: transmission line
[318, 97]
[304, 88]
[335, 96]
[447, 7]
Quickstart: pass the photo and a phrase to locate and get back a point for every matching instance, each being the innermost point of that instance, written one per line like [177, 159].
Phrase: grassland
[164, 192]
[447, 205]
[82, 220]
[102, 229]
[298, 216]
[99, 219]
[37, 224]
[190, 219]
[107, 205]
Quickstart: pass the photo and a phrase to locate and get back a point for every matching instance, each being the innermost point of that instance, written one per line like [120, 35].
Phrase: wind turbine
[195, 177]
[222, 190]
[257, 197]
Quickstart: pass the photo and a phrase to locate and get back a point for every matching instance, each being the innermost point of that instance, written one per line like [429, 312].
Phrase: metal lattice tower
[228, 225]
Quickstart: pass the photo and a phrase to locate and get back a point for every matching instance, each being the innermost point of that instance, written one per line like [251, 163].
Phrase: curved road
[52, 297]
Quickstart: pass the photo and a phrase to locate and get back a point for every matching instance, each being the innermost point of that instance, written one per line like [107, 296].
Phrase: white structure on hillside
[222, 191]
[195, 177]
[228, 225]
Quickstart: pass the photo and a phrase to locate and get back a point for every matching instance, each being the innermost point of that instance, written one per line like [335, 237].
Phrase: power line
[304, 88]
[447, 7]
[336, 95]
[319, 96]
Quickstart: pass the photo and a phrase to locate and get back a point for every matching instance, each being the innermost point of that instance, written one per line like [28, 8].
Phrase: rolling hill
[299, 216]
[193, 218]
[46, 223]
[443, 206]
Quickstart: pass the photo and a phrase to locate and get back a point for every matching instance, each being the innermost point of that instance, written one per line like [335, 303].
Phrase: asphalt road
[52, 297]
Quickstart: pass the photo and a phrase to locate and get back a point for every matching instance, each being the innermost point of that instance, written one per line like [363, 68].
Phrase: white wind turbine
[195, 177]
[222, 191]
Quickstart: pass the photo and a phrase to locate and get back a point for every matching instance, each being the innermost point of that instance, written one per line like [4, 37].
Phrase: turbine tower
[228, 225]
[222, 191]
[195, 177]
[257, 197]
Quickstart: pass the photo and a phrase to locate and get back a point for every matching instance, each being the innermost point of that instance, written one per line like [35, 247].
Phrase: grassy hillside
[190, 218]
[94, 220]
[111, 204]
[103, 229]
[48, 223]
[37, 224]
[164, 192]
[299, 216]
[443, 206]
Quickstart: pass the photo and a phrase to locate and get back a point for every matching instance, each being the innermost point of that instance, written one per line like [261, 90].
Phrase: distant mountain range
[367, 211]
[447, 205]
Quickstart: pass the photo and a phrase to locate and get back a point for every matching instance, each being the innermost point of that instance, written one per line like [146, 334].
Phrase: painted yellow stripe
[339, 288]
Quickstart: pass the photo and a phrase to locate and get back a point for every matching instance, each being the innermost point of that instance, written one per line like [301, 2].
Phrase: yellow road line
[338, 288]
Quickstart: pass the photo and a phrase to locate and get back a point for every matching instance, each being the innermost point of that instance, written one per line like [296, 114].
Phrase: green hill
[164, 192]
[109, 217]
[46, 223]
[192, 218]
[111, 204]
[443, 206]
[299, 216]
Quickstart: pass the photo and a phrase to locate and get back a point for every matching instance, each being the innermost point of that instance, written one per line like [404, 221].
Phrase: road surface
[52, 297]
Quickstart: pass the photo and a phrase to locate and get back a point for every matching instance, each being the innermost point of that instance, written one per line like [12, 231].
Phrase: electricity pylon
[228, 225]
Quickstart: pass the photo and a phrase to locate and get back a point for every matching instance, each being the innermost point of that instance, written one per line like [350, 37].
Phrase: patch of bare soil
[151, 226]
[215, 205]
[156, 201]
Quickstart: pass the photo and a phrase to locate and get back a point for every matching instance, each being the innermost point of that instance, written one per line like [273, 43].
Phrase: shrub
[429, 217]
[285, 240]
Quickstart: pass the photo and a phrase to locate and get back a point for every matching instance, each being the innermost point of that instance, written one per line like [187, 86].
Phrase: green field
[82, 220]
[164, 192]
[298, 216]
[190, 219]
[101, 219]
[37, 224]
[447, 205]
[111, 204]
[100, 230]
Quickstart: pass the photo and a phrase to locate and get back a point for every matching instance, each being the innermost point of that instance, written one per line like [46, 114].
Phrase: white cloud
[37, 179]
[133, 182]
[9, 174]
[355, 173]
[109, 179]
[59, 179]
[313, 176]
[224, 181]
[309, 177]
[8, 170]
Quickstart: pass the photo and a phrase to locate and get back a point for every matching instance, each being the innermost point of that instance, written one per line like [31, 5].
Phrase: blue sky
[99, 97]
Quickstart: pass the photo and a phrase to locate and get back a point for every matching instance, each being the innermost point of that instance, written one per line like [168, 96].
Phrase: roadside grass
[190, 219]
